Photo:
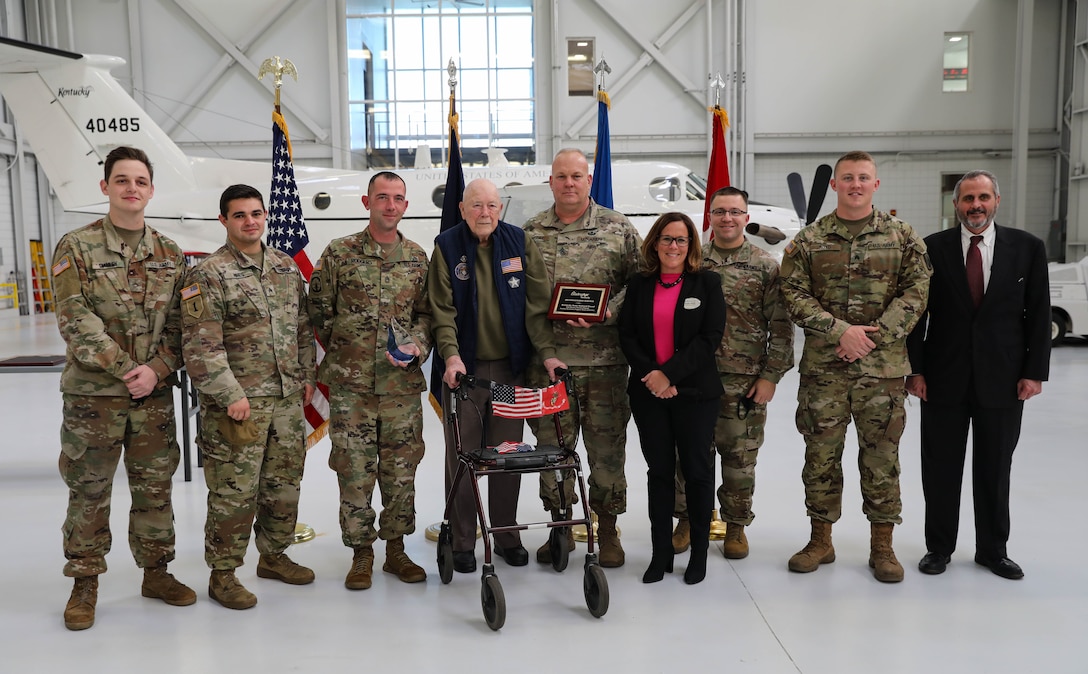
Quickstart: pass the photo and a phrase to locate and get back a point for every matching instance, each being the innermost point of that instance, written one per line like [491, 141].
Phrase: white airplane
[73, 112]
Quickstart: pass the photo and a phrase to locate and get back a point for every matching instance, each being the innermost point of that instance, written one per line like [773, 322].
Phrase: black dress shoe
[934, 563]
[1004, 567]
[515, 556]
[464, 561]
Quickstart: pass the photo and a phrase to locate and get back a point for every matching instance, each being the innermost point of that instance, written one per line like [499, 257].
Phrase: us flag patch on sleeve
[190, 292]
[791, 248]
[61, 266]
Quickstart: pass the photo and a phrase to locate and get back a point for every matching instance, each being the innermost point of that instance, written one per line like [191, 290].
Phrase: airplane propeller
[807, 211]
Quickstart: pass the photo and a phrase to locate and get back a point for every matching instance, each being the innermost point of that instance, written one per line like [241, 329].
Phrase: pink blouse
[665, 300]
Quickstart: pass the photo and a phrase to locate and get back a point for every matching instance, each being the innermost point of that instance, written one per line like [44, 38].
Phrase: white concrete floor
[750, 615]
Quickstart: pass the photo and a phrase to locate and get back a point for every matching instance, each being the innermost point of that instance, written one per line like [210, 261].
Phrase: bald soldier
[363, 287]
[857, 282]
[584, 242]
[249, 348]
[115, 283]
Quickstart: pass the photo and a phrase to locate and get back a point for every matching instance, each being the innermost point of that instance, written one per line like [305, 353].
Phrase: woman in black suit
[671, 322]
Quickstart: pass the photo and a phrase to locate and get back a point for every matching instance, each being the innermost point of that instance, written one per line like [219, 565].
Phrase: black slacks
[995, 432]
[680, 428]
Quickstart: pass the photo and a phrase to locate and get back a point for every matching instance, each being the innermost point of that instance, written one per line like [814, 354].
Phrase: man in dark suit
[981, 350]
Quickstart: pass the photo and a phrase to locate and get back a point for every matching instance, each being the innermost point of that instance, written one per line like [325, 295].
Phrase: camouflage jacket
[831, 281]
[355, 291]
[116, 310]
[601, 247]
[758, 334]
[246, 332]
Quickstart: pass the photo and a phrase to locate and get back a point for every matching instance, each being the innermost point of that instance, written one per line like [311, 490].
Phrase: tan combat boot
[224, 587]
[681, 536]
[79, 613]
[160, 584]
[736, 543]
[362, 569]
[397, 562]
[818, 551]
[611, 554]
[280, 567]
[886, 567]
[544, 552]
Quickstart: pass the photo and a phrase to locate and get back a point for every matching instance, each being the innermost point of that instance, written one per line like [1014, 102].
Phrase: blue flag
[455, 179]
[451, 215]
[601, 190]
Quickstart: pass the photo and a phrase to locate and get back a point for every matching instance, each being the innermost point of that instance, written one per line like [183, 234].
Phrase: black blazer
[1006, 339]
[697, 333]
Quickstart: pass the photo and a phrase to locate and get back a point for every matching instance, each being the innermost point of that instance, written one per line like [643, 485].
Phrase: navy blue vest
[458, 246]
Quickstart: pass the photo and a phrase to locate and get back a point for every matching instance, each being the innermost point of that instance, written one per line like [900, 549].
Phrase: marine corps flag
[717, 176]
[451, 215]
[601, 190]
[287, 232]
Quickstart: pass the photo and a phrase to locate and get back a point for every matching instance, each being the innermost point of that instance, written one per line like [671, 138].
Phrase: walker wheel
[595, 586]
[557, 547]
[445, 554]
[494, 602]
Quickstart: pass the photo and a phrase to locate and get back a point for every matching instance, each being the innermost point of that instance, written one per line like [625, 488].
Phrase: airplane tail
[73, 112]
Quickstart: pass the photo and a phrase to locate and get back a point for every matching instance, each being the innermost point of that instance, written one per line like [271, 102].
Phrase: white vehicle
[1068, 299]
[73, 112]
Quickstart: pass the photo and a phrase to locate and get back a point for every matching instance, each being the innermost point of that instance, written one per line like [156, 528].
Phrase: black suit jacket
[698, 326]
[1006, 339]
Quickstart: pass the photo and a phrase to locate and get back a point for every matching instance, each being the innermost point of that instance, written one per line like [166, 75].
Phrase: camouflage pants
[738, 435]
[93, 434]
[252, 485]
[825, 405]
[375, 439]
[601, 413]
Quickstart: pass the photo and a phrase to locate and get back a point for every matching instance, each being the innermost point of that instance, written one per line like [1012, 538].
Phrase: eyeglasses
[721, 212]
[680, 241]
[744, 406]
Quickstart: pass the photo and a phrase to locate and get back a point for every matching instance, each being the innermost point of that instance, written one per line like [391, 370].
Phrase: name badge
[692, 303]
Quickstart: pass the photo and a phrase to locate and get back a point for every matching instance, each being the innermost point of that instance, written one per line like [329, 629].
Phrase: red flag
[717, 176]
[287, 232]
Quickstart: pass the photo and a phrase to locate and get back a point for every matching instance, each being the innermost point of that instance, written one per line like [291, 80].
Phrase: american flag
[287, 232]
[515, 402]
[512, 446]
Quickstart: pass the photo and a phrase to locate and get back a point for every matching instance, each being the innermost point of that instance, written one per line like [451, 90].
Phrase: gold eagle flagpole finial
[277, 67]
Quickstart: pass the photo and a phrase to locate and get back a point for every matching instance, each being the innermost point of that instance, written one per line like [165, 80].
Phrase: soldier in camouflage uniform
[584, 242]
[249, 348]
[115, 283]
[756, 350]
[361, 286]
[856, 281]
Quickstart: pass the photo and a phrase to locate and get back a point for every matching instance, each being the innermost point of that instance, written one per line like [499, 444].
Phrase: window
[398, 51]
[956, 56]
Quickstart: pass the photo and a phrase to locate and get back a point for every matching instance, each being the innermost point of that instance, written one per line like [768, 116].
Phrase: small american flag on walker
[515, 402]
[512, 446]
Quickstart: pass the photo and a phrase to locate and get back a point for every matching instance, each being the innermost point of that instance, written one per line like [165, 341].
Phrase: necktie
[974, 271]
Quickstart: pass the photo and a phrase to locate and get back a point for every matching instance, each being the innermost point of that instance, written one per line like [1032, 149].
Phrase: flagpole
[278, 67]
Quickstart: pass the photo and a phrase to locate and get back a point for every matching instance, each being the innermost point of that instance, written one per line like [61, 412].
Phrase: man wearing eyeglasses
[584, 242]
[755, 352]
[857, 282]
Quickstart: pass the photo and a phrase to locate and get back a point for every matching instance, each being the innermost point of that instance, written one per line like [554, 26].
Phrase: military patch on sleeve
[64, 264]
[192, 301]
[929, 263]
[791, 249]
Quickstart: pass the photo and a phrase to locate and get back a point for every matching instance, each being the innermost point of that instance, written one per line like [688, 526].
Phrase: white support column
[1076, 244]
[1021, 120]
